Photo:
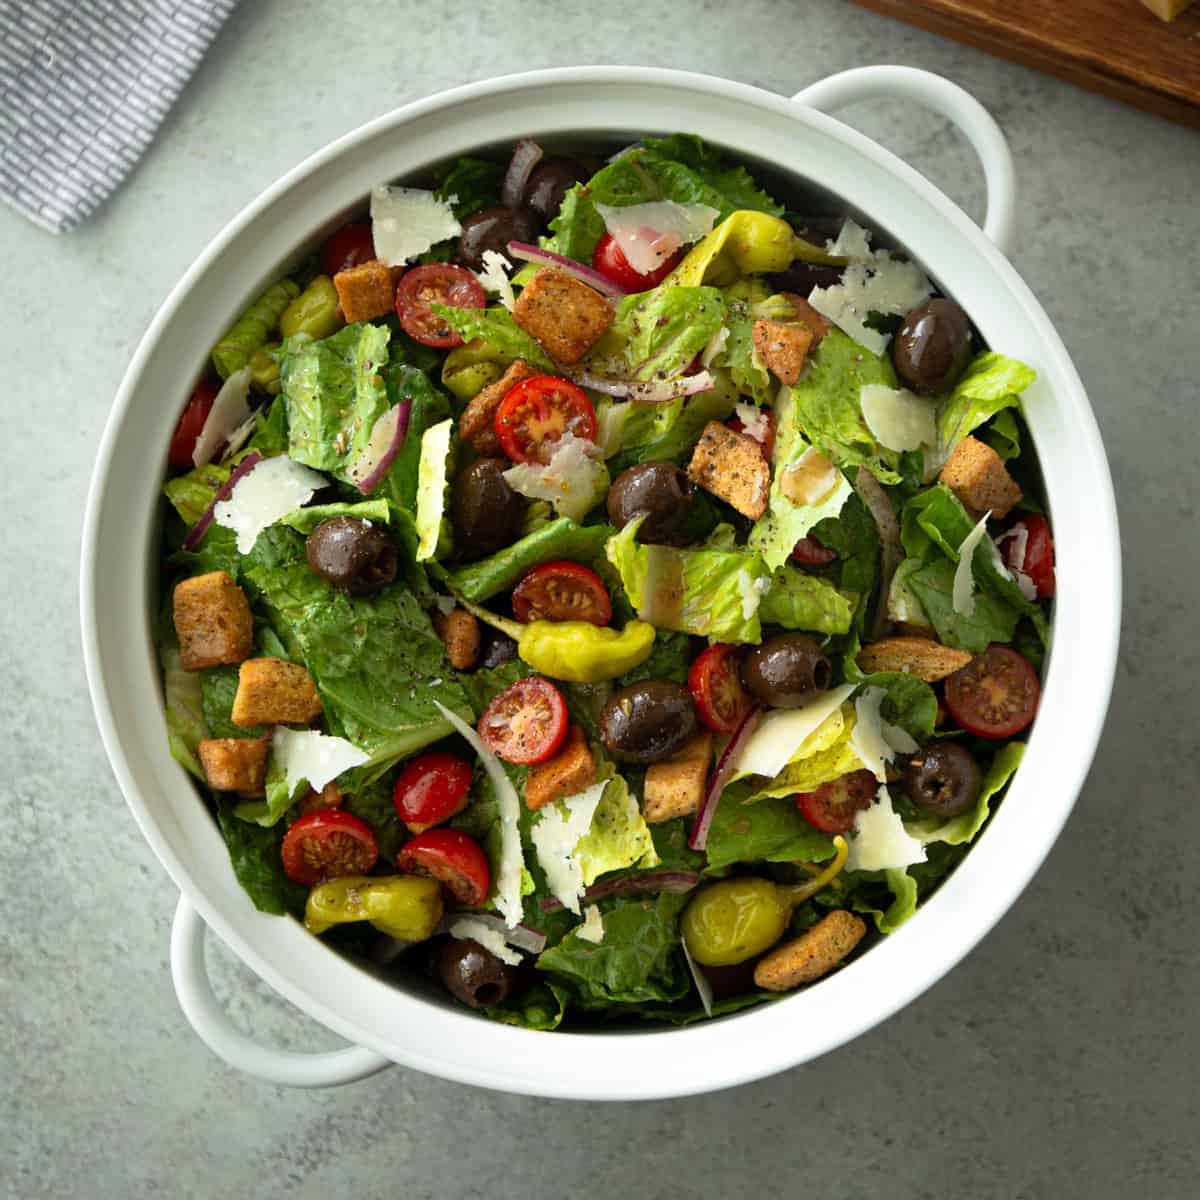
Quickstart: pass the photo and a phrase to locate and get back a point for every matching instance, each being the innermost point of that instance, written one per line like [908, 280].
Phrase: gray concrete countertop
[1058, 1060]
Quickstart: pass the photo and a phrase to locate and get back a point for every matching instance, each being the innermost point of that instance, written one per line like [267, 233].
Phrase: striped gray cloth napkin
[84, 85]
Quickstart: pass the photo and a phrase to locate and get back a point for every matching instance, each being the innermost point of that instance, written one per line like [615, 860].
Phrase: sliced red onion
[229, 411]
[725, 768]
[526, 155]
[368, 469]
[546, 258]
[238, 473]
[656, 391]
[677, 882]
[520, 936]
[699, 979]
[870, 492]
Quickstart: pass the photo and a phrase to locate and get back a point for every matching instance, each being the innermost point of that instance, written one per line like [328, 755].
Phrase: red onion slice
[657, 391]
[239, 472]
[229, 412]
[368, 469]
[678, 882]
[525, 156]
[546, 258]
[870, 492]
[725, 767]
[520, 936]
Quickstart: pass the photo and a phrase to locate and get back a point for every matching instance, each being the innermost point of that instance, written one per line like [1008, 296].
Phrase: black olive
[352, 554]
[496, 648]
[644, 722]
[801, 277]
[660, 490]
[786, 670]
[932, 347]
[493, 229]
[474, 975]
[485, 511]
[549, 182]
[943, 779]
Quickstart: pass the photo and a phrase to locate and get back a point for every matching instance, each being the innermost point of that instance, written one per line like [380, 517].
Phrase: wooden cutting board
[1117, 47]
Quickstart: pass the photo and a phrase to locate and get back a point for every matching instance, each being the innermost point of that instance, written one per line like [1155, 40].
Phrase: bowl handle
[952, 102]
[224, 1039]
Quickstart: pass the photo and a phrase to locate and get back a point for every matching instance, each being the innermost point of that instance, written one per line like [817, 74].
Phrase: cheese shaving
[880, 841]
[592, 929]
[494, 278]
[472, 929]
[555, 836]
[405, 222]
[315, 758]
[897, 419]
[963, 593]
[269, 490]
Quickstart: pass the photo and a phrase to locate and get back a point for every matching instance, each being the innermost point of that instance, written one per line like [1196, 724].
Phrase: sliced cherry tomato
[766, 441]
[995, 695]
[716, 687]
[609, 259]
[431, 789]
[537, 412]
[350, 246]
[834, 805]
[191, 421]
[526, 723]
[810, 553]
[435, 283]
[453, 859]
[327, 844]
[1038, 560]
[562, 591]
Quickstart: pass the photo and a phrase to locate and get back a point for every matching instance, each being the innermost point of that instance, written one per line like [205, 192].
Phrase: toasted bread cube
[566, 317]
[805, 312]
[329, 796]
[477, 425]
[919, 657]
[459, 630]
[675, 786]
[571, 771]
[274, 692]
[783, 346]
[976, 474]
[813, 954]
[213, 621]
[365, 291]
[235, 764]
[731, 466]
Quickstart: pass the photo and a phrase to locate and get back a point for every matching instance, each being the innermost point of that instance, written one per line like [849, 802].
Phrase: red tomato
[526, 723]
[191, 421]
[537, 412]
[1038, 560]
[453, 859]
[435, 283]
[810, 553]
[562, 591]
[431, 789]
[327, 844]
[767, 442]
[834, 805]
[349, 247]
[609, 259]
[995, 695]
[717, 689]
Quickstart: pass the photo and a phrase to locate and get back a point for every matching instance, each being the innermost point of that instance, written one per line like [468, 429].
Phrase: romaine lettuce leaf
[854, 535]
[990, 384]
[745, 367]
[429, 405]
[496, 326]
[374, 805]
[471, 184]
[218, 687]
[183, 701]
[255, 858]
[618, 836]
[305, 520]
[192, 493]
[822, 759]
[771, 830]
[992, 620]
[799, 601]
[541, 1006]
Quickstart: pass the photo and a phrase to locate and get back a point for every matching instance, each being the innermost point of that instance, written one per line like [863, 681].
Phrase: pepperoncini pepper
[315, 311]
[406, 907]
[264, 368]
[469, 368]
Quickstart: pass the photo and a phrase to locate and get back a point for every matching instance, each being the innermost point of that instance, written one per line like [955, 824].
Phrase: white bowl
[384, 1022]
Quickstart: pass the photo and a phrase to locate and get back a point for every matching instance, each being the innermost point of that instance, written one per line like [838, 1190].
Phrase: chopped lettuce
[184, 703]
[305, 520]
[991, 384]
[749, 373]
[618, 836]
[799, 601]
[496, 327]
[191, 494]
[471, 184]
[429, 405]
[991, 621]
[854, 536]
[825, 756]
[771, 830]
[254, 856]
[218, 687]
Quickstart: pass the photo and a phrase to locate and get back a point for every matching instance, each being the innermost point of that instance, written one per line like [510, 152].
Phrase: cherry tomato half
[767, 441]
[716, 687]
[537, 412]
[453, 859]
[562, 591]
[995, 695]
[350, 246]
[191, 421]
[526, 723]
[1038, 560]
[327, 844]
[431, 789]
[435, 283]
[834, 805]
[810, 553]
[609, 259]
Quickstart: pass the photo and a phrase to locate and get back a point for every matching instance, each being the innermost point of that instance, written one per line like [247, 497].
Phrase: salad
[600, 590]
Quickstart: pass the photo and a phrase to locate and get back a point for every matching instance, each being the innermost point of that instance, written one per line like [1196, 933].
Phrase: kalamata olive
[493, 229]
[786, 670]
[549, 182]
[472, 974]
[660, 490]
[801, 277]
[495, 648]
[932, 347]
[485, 511]
[943, 779]
[352, 554]
[644, 722]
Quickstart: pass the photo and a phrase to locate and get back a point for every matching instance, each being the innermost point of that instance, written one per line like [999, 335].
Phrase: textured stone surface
[1058, 1060]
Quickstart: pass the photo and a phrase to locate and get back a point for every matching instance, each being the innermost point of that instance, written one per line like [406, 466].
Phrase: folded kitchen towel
[84, 85]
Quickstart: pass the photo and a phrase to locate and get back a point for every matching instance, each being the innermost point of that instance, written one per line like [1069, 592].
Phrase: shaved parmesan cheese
[268, 491]
[883, 286]
[406, 222]
[239, 437]
[809, 479]
[313, 758]
[649, 234]
[592, 929]
[867, 739]
[880, 842]
[752, 589]
[494, 277]
[555, 837]
[896, 418]
[756, 422]
[228, 413]
[491, 939]
[572, 480]
[898, 738]
[715, 345]
[853, 243]
[783, 730]
[703, 987]
[963, 592]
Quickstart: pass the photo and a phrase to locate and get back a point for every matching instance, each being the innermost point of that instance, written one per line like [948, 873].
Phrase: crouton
[460, 631]
[919, 657]
[235, 764]
[814, 953]
[566, 317]
[365, 292]
[783, 347]
[328, 797]
[675, 786]
[213, 621]
[273, 692]
[571, 771]
[976, 474]
[731, 466]
[477, 424]
[805, 312]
